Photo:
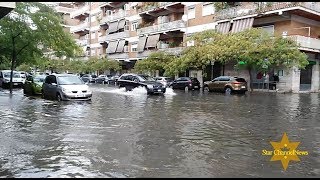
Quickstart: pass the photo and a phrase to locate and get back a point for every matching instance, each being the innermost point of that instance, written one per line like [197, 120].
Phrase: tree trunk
[13, 61]
[250, 79]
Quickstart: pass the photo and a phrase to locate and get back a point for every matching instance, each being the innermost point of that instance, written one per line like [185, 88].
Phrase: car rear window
[240, 80]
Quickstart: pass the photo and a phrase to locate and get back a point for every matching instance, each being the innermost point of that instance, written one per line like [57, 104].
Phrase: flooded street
[179, 134]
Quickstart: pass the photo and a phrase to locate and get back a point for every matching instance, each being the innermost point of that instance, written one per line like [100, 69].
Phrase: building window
[207, 9]
[191, 13]
[93, 18]
[280, 72]
[87, 36]
[93, 35]
[134, 26]
[126, 26]
[93, 52]
[269, 29]
[134, 47]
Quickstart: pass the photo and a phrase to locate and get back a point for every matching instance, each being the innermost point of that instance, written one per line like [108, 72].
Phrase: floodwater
[179, 134]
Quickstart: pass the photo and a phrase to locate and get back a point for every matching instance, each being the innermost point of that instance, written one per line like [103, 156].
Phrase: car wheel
[59, 98]
[228, 90]
[206, 89]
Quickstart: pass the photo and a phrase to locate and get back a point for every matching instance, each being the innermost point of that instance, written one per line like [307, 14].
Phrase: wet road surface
[180, 134]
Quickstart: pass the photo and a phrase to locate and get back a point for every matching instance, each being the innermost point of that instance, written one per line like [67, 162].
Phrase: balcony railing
[174, 51]
[261, 8]
[163, 27]
[115, 16]
[79, 27]
[64, 9]
[82, 42]
[307, 42]
[79, 11]
[118, 35]
[123, 55]
[102, 39]
[155, 5]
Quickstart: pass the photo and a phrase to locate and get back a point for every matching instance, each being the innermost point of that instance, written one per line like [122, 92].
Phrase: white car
[63, 87]
[166, 81]
[5, 79]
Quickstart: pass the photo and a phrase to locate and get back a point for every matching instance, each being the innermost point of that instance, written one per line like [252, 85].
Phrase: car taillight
[236, 83]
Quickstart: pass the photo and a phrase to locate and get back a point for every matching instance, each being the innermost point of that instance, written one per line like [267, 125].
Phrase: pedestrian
[275, 80]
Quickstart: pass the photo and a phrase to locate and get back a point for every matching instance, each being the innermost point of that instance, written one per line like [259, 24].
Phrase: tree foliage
[31, 29]
[155, 61]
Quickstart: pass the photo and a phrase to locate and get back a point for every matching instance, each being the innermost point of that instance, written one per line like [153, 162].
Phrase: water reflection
[179, 134]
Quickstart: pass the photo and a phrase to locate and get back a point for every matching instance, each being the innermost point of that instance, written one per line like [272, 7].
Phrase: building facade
[130, 31]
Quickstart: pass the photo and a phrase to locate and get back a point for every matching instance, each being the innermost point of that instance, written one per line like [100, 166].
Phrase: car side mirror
[53, 84]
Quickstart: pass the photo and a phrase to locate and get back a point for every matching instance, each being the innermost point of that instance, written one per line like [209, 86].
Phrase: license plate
[15, 84]
[243, 86]
[195, 86]
[159, 90]
[80, 95]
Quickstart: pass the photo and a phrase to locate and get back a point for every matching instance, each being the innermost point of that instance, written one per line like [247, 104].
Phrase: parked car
[103, 79]
[131, 81]
[166, 81]
[226, 84]
[185, 82]
[65, 87]
[5, 79]
[89, 78]
[33, 85]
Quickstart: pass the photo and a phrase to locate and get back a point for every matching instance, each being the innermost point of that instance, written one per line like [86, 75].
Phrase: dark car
[89, 78]
[103, 79]
[185, 82]
[227, 84]
[131, 81]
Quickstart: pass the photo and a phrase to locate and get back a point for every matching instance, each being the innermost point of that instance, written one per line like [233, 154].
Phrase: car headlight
[65, 90]
[150, 86]
[89, 91]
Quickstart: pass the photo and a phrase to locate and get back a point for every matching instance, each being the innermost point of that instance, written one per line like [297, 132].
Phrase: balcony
[174, 51]
[239, 11]
[82, 42]
[102, 39]
[81, 27]
[79, 12]
[164, 27]
[118, 35]
[151, 6]
[115, 16]
[111, 4]
[307, 43]
[123, 55]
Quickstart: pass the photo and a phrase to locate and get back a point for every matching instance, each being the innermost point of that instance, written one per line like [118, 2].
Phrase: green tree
[29, 30]
[155, 61]
[252, 48]
[24, 67]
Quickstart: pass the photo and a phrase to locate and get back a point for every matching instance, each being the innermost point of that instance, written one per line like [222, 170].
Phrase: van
[5, 79]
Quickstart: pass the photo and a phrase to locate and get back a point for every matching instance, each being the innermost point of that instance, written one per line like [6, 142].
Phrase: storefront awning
[121, 24]
[112, 46]
[152, 40]
[113, 27]
[242, 24]
[120, 46]
[142, 43]
[223, 27]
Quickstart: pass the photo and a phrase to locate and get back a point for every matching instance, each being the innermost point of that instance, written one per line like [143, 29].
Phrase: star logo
[284, 151]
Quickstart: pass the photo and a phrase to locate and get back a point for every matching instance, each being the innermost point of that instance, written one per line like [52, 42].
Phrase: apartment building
[130, 31]
[299, 21]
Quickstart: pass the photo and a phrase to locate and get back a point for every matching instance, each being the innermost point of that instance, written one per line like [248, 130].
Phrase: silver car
[65, 87]
[166, 81]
